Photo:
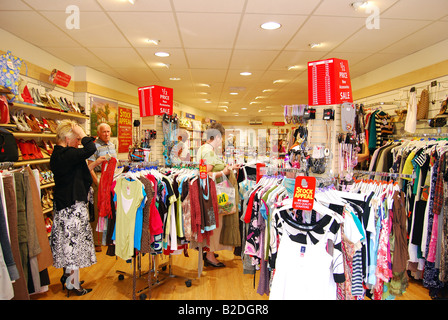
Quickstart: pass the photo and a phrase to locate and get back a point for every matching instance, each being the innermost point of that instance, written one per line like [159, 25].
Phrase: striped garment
[103, 149]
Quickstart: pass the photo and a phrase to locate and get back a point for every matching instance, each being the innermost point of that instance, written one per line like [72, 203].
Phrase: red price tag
[202, 169]
[304, 190]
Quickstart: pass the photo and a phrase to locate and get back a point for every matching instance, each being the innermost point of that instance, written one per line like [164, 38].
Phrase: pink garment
[433, 242]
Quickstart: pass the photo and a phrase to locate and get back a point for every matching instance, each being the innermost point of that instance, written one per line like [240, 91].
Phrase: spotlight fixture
[152, 41]
[359, 4]
[174, 79]
[271, 25]
[314, 45]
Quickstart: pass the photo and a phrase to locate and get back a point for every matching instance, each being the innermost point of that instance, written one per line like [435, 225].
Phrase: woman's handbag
[10, 66]
[423, 105]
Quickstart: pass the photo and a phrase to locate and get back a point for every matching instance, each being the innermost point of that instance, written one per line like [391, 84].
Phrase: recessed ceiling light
[152, 41]
[174, 79]
[266, 90]
[276, 81]
[225, 107]
[162, 54]
[208, 101]
[245, 73]
[315, 45]
[233, 93]
[243, 108]
[293, 67]
[271, 25]
[131, 1]
[166, 65]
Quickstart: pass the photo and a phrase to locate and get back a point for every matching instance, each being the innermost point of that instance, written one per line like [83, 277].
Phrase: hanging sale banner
[304, 190]
[124, 129]
[329, 82]
[155, 101]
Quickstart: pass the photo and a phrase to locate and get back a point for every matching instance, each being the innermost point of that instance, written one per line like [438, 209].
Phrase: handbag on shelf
[423, 105]
[8, 147]
[10, 66]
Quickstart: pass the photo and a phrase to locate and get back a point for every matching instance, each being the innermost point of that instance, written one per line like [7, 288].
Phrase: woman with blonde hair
[71, 238]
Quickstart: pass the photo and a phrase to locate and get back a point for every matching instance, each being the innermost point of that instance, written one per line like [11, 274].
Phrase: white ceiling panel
[139, 6]
[342, 8]
[252, 36]
[208, 30]
[95, 29]
[140, 26]
[374, 40]
[417, 10]
[120, 57]
[328, 31]
[41, 33]
[227, 6]
[208, 58]
[175, 60]
[282, 6]
[248, 60]
[61, 5]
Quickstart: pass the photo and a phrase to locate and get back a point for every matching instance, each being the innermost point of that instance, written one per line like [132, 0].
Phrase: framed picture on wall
[106, 111]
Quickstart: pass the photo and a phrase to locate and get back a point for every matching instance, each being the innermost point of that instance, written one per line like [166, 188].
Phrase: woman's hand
[78, 131]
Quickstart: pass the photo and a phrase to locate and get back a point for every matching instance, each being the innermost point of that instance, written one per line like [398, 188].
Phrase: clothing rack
[420, 135]
[385, 174]
[158, 272]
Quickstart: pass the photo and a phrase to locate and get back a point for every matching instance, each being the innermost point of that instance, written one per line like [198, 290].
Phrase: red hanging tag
[304, 190]
[259, 173]
[202, 169]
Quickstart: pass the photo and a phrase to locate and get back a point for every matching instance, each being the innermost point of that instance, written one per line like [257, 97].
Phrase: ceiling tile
[208, 30]
[140, 26]
[208, 58]
[248, 60]
[40, 33]
[139, 6]
[61, 5]
[95, 30]
[227, 6]
[424, 38]
[329, 31]
[175, 60]
[76, 56]
[295, 58]
[374, 40]
[252, 36]
[342, 8]
[119, 57]
[417, 10]
[281, 6]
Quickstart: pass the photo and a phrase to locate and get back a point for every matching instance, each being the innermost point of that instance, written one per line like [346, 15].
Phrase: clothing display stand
[156, 274]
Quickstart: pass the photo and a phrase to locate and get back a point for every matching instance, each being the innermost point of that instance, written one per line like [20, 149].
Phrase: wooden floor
[227, 283]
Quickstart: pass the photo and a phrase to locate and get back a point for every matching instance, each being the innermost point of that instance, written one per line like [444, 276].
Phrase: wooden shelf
[46, 110]
[31, 162]
[33, 135]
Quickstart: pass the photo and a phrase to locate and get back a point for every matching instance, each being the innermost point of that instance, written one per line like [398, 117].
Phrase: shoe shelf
[20, 134]
[49, 111]
[31, 162]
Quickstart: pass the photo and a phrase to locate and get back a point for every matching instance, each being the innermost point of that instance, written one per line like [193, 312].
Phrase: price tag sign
[259, 173]
[304, 190]
[202, 169]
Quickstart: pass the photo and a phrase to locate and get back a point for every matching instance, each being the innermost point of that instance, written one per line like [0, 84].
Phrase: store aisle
[215, 284]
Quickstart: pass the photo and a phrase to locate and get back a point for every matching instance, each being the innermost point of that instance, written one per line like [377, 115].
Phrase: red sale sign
[155, 101]
[329, 82]
[304, 190]
[60, 78]
[202, 169]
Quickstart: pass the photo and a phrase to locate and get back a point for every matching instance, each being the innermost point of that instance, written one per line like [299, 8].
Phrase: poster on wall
[103, 111]
[124, 129]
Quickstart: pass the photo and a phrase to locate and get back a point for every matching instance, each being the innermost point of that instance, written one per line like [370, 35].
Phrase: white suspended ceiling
[211, 41]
